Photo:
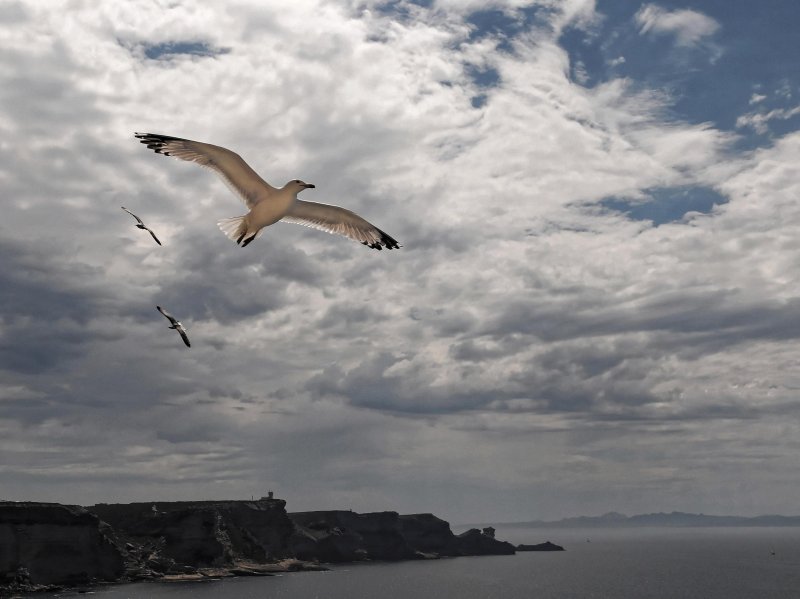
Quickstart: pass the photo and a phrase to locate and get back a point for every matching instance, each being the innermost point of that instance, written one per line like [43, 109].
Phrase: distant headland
[49, 545]
[660, 519]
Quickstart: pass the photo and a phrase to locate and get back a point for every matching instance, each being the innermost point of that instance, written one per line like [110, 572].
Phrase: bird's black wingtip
[389, 242]
[156, 141]
[386, 241]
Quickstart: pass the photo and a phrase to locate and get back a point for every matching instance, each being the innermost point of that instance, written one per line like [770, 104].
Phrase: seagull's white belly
[271, 210]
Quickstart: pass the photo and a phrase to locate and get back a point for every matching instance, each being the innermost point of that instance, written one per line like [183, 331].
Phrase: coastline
[50, 546]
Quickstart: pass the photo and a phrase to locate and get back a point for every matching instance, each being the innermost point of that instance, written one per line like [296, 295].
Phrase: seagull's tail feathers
[235, 228]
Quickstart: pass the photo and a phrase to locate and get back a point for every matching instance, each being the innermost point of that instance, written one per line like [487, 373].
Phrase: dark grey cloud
[43, 102]
[211, 278]
[480, 348]
[368, 385]
[47, 307]
[693, 317]
[450, 321]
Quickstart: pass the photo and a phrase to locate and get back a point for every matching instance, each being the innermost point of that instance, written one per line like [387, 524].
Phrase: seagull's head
[297, 186]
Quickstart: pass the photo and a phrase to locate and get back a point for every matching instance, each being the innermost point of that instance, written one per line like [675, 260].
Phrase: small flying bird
[267, 204]
[141, 225]
[175, 324]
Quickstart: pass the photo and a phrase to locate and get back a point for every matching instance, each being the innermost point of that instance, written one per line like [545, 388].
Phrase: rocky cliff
[344, 536]
[182, 535]
[429, 535]
[475, 542]
[46, 544]
[50, 544]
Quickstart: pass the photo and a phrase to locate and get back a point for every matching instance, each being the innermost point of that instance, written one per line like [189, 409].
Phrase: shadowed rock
[546, 546]
[203, 534]
[343, 536]
[47, 544]
[474, 542]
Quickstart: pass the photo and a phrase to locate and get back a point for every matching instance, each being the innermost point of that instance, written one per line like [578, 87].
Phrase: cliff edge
[181, 536]
[345, 536]
[48, 545]
[45, 545]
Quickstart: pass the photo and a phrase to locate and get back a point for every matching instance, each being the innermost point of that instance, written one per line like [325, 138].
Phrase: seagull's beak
[311, 185]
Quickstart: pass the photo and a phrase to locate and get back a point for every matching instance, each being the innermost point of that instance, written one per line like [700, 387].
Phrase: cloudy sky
[597, 302]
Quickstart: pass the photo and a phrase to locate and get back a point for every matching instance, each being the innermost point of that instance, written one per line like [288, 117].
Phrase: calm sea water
[705, 563]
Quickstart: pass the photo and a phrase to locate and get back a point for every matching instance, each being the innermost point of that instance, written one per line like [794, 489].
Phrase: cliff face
[474, 542]
[428, 534]
[53, 544]
[202, 534]
[50, 544]
[343, 536]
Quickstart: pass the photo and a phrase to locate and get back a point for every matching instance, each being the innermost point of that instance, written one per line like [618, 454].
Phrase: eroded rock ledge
[49, 545]
[344, 536]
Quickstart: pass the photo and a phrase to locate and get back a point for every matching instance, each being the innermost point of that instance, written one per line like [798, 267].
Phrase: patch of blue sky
[667, 204]
[401, 9]
[588, 64]
[484, 78]
[504, 26]
[169, 49]
[713, 80]
[782, 126]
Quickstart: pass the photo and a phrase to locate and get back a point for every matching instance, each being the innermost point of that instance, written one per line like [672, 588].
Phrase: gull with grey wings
[141, 225]
[267, 204]
[175, 324]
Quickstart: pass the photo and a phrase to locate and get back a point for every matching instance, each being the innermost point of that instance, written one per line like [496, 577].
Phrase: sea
[638, 563]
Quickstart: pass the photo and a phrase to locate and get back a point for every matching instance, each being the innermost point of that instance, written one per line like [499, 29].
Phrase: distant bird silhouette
[175, 324]
[267, 204]
[141, 225]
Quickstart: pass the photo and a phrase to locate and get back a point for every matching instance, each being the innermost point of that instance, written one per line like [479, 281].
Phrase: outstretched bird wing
[154, 236]
[169, 316]
[184, 336]
[132, 214]
[141, 224]
[339, 221]
[234, 171]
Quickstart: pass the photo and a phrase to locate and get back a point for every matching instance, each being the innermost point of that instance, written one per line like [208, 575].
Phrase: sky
[597, 302]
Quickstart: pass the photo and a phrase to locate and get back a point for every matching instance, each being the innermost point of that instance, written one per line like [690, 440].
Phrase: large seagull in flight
[267, 204]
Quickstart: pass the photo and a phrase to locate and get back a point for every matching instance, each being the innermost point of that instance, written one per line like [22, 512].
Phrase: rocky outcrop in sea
[546, 546]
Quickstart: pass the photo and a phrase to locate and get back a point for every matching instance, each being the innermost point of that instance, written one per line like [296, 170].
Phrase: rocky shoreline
[49, 546]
